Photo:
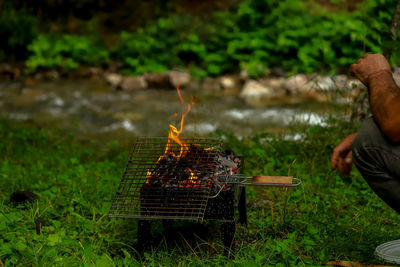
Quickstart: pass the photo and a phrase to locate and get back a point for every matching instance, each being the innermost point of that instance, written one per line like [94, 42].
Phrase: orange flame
[180, 96]
[173, 136]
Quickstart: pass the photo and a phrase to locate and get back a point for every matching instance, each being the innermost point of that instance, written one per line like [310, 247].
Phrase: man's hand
[368, 66]
[342, 157]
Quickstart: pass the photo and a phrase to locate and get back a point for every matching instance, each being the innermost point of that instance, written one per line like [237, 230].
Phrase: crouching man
[375, 148]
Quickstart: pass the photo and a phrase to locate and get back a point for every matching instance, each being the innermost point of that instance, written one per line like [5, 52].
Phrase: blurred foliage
[260, 35]
[297, 36]
[65, 52]
[17, 30]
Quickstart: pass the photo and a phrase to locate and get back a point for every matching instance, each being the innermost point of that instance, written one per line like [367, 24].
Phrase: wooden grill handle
[272, 180]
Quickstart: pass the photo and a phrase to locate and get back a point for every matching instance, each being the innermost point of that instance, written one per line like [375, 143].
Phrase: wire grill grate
[172, 183]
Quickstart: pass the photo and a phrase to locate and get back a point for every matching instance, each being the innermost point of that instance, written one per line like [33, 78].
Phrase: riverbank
[96, 103]
[274, 85]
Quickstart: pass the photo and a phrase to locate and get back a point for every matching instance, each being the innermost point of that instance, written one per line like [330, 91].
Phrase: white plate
[389, 251]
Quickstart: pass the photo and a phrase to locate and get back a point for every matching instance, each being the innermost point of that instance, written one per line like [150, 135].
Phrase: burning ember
[186, 165]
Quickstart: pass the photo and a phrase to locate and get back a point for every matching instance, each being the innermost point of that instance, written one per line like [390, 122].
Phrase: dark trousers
[378, 161]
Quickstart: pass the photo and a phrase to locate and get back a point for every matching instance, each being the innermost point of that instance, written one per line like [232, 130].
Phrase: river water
[92, 109]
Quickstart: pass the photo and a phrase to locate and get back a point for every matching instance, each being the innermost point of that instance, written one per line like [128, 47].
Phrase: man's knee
[367, 148]
[378, 161]
[373, 153]
[368, 136]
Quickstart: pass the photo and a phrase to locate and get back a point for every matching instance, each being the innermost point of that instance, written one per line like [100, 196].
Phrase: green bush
[298, 36]
[158, 47]
[378, 18]
[65, 52]
[257, 35]
[177, 41]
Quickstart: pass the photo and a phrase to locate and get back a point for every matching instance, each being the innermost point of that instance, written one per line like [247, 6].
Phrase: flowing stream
[92, 109]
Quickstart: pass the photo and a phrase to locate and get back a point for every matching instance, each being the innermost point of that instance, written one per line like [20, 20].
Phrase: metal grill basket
[156, 185]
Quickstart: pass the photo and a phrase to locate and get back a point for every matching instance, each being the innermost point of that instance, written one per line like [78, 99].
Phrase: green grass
[328, 217]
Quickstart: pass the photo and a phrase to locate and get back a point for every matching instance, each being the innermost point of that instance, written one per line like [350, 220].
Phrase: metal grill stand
[221, 208]
[193, 180]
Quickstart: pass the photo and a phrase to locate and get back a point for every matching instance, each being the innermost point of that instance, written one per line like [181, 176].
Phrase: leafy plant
[298, 36]
[65, 52]
[261, 34]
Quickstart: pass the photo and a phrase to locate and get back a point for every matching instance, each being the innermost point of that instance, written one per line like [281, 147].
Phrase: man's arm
[384, 96]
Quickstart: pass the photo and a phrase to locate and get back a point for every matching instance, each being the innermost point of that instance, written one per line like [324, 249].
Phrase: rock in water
[228, 82]
[211, 84]
[254, 93]
[114, 79]
[179, 78]
[131, 83]
[297, 85]
[158, 80]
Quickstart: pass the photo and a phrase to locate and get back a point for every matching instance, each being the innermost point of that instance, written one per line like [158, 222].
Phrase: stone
[244, 75]
[132, 83]
[256, 94]
[51, 75]
[11, 72]
[354, 86]
[297, 84]
[323, 83]
[158, 80]
[90, 72]
[231, 85]
[211, 84]
[340, 82]
[272, 82]
[179, 78]
[114, 79]
[339, 88]
[227, 82]
[254, 88]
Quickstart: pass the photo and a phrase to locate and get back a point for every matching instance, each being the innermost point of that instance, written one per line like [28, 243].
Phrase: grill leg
[242, 207]
[228, 230]
[144, 236]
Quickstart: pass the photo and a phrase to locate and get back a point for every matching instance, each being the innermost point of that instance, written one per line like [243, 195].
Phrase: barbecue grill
[190, 180]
